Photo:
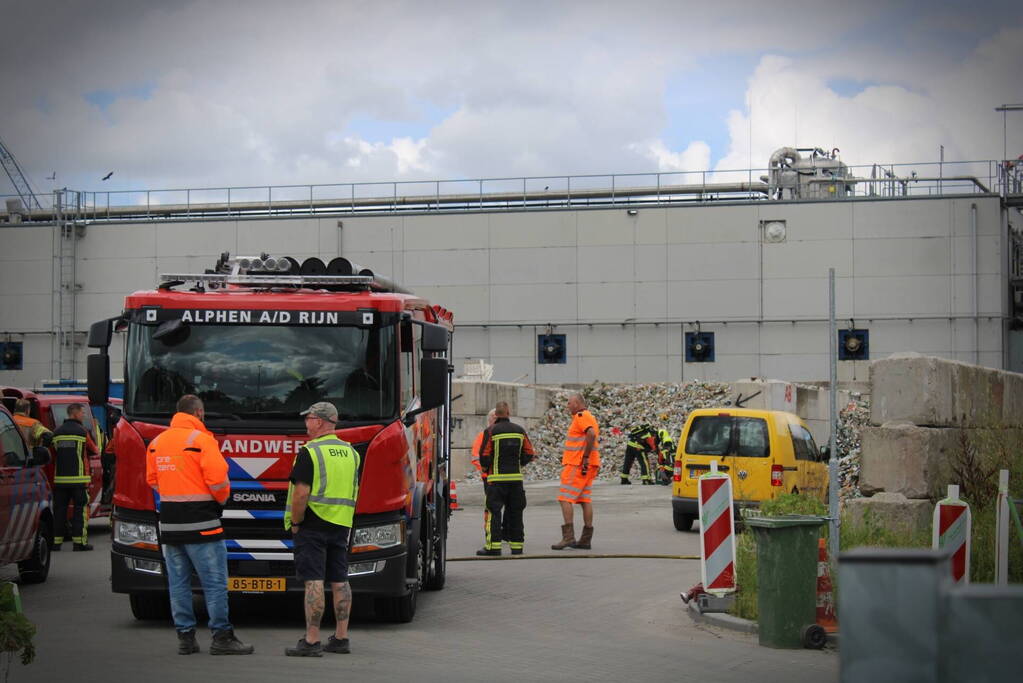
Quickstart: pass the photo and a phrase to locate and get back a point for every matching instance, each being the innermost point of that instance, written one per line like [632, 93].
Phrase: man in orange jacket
[185, 466]
[580, 463]
[474, 455]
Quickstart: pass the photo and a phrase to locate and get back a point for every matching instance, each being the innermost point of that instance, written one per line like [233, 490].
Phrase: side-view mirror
[100, 334]
[433, 380]
[98, 374]
[826, 454]
[40, 457]
[435, 338]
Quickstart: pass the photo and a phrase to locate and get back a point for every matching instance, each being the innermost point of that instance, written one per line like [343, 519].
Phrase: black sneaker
[340, 647]
[79, 547]
[625, 482]
[516, 551]
[186, 642]
[483, 552]
[225, 643]
[55, 547]
[304, 649]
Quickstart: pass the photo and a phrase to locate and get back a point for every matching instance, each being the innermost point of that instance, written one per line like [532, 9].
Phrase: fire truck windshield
[261, 373]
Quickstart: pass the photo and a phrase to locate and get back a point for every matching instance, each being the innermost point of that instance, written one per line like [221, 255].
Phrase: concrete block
[930, 391]
[467, 397]
[913, 389]
[461, 463]
[913, 461]
[771, 394]
[891, 511]
[465, 429]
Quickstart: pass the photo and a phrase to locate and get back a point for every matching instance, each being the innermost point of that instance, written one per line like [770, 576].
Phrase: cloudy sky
[208, 93]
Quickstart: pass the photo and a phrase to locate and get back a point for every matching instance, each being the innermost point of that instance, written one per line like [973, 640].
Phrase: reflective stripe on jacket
[335, 485]
[506, 448]
[575, 440]
[185, 466]
[72, 445]
[32, 429]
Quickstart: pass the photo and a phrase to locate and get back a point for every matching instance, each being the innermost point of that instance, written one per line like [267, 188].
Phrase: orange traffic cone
[825, 597]
[454, 497]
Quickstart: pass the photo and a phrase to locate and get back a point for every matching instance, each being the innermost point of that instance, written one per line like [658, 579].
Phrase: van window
[803, 444]
[60, 414]
[14, 451]
[745, 437]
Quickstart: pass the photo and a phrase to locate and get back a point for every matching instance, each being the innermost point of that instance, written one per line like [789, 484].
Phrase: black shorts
[321, 555]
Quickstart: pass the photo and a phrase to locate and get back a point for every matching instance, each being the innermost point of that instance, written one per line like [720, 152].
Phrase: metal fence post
[1002, 530]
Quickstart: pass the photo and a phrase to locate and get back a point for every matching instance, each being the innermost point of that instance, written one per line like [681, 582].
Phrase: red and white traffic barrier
[951, 529]
[825, 596]
[717, 532]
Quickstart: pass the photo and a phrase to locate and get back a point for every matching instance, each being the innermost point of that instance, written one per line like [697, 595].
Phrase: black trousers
[505, 502]
[632, 453]
[76, 496]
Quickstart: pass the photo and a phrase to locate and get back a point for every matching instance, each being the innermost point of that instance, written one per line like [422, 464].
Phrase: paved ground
[522, 620]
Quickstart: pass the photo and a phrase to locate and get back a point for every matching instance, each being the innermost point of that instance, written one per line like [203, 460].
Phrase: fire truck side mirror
[435, 338]
[434, 382]
[98, 371]
[100, 334]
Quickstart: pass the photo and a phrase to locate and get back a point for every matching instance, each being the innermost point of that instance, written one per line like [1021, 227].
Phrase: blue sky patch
[102, 99]
[697, 102]
[383, 130]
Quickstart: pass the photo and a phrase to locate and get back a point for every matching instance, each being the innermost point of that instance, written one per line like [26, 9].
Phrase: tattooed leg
[342, 607]
[313, 610]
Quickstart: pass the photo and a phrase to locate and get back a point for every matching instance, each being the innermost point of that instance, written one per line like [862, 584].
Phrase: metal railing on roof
[632, 190]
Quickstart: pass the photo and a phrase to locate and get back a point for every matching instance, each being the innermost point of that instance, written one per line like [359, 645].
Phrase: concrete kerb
[723, 620]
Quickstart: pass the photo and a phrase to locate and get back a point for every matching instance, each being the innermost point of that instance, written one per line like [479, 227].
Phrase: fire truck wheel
[150, 606]
[682, 522]
[36, 567]
[438, 563]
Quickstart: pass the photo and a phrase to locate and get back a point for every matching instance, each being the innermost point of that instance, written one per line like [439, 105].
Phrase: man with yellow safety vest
[33, 430]
[319, 512]
[73, 445]
[506, 449]
[185, 466]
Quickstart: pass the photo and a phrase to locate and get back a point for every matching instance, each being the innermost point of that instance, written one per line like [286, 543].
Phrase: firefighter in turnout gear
[642, 440]
[506, 449]
[73, 446]
[665, 457]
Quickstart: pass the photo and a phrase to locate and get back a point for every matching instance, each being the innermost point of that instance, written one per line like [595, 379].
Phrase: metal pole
[1002, 530]
[833, 483]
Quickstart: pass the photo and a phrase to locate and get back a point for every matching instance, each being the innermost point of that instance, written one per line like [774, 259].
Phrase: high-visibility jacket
[335, 485]
[474, 455]
[73, 446]
[32, 428]
[575, 440]
[185, 466]
[506, 448]
[667, 445]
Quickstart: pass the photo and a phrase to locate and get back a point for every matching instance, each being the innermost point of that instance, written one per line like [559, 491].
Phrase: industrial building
[660, 277]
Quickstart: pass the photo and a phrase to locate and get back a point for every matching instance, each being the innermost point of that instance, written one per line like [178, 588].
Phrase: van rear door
[18, 513]
[742, 447]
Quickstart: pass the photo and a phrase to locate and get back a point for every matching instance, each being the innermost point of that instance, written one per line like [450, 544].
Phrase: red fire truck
[259, 339]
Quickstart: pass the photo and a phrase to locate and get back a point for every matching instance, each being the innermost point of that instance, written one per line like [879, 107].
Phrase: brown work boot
[567, 537]
[584, 539]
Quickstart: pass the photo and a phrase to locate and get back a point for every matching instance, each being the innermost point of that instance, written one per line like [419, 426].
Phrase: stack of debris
[617, 408]
[851, 420]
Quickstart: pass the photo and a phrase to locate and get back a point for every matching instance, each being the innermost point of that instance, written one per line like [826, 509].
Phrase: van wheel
[36, 567]
[682, 522]
[150, 606]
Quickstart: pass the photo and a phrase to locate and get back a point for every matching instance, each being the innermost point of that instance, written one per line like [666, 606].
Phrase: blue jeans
[210, 563]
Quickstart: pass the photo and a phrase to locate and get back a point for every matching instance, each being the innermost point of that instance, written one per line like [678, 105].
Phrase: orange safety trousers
[576, 486]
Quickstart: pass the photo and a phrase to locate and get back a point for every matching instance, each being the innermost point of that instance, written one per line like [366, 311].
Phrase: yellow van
[765, 452]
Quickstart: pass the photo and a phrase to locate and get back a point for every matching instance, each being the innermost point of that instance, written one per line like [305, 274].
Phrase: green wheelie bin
[787, 580]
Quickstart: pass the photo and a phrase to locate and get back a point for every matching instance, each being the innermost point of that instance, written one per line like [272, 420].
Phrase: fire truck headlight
[378, 537]
[137, 534]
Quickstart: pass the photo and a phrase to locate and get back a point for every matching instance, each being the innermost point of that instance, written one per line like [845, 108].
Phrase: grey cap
[324, 410]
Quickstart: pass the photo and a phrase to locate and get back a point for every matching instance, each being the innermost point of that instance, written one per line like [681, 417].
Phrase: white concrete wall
[906, 258]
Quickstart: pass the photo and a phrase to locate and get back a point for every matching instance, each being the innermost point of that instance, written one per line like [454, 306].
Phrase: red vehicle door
[19, 509]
